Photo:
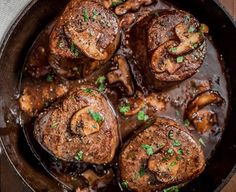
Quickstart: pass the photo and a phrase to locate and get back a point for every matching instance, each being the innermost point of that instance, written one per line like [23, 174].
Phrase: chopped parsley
[141, 172]
[125, 108]
[180, 59]
[124, 184]
[79, 156]
[142, 116]
[101, 83]
[74, 50]
[87, 90]
[180, 152]
[171, 189]
[94, 126]
[176, 143]
[173, 163]
[95, 14]
[171, 134]
[85, 14]
[177, 112]
[116, 3]
[191, 29]
[96, 116]
[148, 148]
[170, 151]
[49, 78]
[186, 123]
[202, 142]
[54, 124]
[174, 49]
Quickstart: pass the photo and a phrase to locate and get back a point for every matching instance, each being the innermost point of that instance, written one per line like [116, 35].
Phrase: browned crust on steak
[85, 32]
[167, 168]
[54, 132]
[162, 31]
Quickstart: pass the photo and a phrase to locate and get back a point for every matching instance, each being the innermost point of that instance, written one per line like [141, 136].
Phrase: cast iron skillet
[13, 51]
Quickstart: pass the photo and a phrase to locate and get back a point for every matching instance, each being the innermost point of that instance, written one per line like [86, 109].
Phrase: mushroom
[153, 101]
[189, 40]
[94, 181]
[127, 20]
[165, 170]
[134, 104]
[203, 119]
[131, 5]
[86, 41]
[82, 122]
[161, 64]
[122, 74]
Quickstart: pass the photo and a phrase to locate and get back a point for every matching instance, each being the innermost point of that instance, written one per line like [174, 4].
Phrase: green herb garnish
[95, 14]
[85, 14]
[186, 123]
[101, 83]
[49, 78]
[141, 172]
[180, 59]
[148, 148]
[124, 184]
[171, 134]
[202, 142]
[174, 49]
[191, 29]
[79, 156]
[170, 151]
[177, 112]
[171, 189]
[180, 152]
[176, 143]
[87, 90]
[142, 116]
[173, 163]
[54, 124]
[116, 3]
[124, 109]
[74, 50]
[96, 116]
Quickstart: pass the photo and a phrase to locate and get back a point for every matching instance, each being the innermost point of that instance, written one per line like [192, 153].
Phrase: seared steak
[86, 33]
[81, 127]
[160, 156]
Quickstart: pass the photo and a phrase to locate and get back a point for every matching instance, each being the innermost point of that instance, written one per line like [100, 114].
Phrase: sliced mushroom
[204, 120]
[156, 103]
[188, 40]
[82, 123]
[206, 98]
[167, 167]
[122, 74]
[127, 20]
[135, 104]
[160, 64]
[87, 42]
[131, 5]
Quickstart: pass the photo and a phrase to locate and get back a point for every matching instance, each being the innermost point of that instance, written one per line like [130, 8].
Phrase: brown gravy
[177, 98]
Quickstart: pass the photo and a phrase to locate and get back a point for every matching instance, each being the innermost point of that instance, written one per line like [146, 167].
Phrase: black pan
[13, 51]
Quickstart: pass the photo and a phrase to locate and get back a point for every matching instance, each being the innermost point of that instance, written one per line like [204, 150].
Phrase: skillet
[14, 49]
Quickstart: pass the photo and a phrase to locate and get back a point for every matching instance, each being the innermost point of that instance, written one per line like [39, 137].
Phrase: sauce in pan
[173, 100]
